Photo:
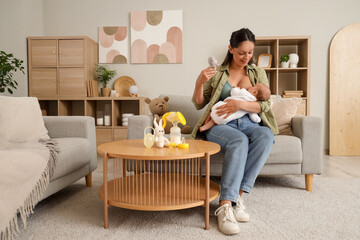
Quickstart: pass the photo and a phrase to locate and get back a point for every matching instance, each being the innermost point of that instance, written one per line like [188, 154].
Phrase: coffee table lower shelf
[158, 191]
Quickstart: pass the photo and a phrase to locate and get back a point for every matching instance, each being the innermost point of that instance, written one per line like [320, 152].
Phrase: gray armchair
[77, 142]
[300, 154]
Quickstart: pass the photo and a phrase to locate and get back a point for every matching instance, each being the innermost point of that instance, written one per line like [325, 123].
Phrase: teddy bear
[158, 107]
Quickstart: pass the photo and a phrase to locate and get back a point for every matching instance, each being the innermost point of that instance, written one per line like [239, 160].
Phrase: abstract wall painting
[156, 36]
[113, 44]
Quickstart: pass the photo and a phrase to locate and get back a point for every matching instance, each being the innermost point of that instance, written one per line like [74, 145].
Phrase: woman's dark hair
[238, 37]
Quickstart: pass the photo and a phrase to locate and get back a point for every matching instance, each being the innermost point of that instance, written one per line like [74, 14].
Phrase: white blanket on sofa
[27, 160]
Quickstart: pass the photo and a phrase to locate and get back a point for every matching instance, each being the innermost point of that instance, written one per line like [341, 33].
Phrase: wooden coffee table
[157, 179]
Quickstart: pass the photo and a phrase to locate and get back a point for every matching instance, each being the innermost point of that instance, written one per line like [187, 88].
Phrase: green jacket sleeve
[207, 90]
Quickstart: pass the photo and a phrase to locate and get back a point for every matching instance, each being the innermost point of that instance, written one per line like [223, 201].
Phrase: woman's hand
[228, 108]
[205, 75]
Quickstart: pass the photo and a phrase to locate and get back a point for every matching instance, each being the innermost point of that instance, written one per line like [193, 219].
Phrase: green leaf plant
[104, 75]
[8, 66]
[284, 58]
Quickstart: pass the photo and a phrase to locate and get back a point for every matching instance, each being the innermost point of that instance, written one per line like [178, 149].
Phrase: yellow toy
[175, 131]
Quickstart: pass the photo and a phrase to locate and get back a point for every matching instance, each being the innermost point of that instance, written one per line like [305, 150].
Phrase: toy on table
[213, 62]
[175, 131]
[149, 138]
[158, 106]
[160, 139]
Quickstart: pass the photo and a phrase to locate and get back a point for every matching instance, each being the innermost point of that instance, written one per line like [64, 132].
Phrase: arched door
[344, 119]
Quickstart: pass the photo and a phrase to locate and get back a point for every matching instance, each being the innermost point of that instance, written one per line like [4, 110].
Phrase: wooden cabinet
[88, 106]
[43, 82]
[71, 52]
[281, 79]
[60, 66]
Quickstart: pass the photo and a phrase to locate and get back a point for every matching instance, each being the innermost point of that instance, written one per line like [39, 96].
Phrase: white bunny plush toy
[160, 140]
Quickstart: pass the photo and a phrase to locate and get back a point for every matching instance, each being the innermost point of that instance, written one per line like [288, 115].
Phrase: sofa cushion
[74, 154]
[284, 110]
[286, 149]
[21, 120]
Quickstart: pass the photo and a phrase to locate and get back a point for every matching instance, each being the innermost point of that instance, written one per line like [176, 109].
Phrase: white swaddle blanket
[239, 95]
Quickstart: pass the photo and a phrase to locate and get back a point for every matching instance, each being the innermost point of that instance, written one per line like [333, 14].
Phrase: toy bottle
[148, 138]
[175, 134]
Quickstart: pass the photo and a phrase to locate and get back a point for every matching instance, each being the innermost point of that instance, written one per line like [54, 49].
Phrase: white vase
[113, 93]
[284, 64]
[294, 59]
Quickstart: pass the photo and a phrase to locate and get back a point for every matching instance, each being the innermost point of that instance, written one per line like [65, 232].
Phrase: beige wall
[19, 19]
[207, 25]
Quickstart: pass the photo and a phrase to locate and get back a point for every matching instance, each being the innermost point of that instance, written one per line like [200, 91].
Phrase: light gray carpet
[278, 206]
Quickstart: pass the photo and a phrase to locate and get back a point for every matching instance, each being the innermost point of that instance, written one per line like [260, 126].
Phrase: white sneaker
[226, 220]
[239, 211]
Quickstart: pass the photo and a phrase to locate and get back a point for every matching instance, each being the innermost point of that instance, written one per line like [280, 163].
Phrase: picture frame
[264, 60]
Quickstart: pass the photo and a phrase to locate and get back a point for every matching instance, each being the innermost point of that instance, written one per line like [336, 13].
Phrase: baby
[258, 92]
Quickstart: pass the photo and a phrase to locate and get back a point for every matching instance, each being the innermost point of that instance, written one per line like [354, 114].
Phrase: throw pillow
[284, 110]
[21, 120]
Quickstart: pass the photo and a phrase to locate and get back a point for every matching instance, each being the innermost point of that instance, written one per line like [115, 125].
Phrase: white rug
[279, 209]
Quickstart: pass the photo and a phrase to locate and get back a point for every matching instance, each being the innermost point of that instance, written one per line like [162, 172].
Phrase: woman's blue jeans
[246, 146]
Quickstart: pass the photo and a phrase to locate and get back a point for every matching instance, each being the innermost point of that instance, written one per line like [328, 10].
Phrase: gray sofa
[77, 142]
[291, 155]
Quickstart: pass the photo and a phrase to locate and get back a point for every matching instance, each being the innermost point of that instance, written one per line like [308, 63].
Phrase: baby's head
[260, 91]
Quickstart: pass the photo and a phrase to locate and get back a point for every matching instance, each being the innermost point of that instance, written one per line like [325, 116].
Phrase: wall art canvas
[113, 44]
[156, 36]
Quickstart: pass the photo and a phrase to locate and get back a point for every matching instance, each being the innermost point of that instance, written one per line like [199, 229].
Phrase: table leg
[106, 218]
[207, 190]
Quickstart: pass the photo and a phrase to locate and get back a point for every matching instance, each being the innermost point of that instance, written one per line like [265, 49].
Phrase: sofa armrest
[137, 125]
[69, 126]
[309, 130]
[74, 126]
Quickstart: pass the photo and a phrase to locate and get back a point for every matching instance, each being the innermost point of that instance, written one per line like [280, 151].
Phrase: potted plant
[104, 75]
[284, 61]
[8, 66]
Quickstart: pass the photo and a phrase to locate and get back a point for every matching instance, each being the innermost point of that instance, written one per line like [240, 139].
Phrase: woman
[246, 145]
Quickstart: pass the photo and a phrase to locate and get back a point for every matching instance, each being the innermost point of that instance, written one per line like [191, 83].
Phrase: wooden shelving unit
[288, 78]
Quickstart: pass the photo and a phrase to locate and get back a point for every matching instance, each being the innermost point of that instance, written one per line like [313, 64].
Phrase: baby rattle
[213, 62]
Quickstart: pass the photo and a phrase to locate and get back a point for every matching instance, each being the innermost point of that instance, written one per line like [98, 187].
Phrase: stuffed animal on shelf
[160, 139]
[158, 107]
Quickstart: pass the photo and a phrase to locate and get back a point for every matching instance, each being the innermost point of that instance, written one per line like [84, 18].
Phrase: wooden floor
[341, 166]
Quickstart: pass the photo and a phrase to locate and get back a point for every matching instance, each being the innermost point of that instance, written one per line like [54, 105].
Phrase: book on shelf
[92, 88]
[291, 96]
[292, 93]
[95, 89]
[88, 88]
